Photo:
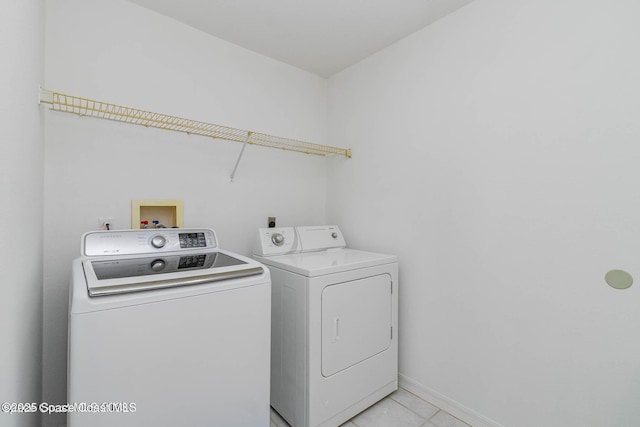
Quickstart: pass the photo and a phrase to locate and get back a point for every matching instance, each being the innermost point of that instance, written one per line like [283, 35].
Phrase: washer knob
[334, 235]
[158, 241]
[158, 265]
[277, 239]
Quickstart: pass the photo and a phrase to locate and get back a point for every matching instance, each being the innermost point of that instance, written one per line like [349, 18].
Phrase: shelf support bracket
[44, 96]
[244, 145]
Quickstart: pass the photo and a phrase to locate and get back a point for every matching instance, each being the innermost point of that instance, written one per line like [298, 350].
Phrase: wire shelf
[104, 110]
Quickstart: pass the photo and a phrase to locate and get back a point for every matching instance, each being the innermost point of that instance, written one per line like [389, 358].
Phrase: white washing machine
[334, 324]
[166, 329]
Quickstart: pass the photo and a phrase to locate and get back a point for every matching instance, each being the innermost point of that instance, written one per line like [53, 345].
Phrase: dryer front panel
[356, 322]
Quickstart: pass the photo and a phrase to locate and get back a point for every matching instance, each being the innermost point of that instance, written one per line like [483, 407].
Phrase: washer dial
[158, 241]
[158, 265]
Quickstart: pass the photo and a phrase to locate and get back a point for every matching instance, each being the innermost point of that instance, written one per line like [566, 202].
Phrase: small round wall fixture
[618, 279]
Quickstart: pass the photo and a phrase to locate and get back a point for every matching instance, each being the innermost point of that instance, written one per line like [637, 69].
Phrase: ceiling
[322, 36]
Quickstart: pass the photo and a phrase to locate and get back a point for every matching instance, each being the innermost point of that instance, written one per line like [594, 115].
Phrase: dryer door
[356, 322]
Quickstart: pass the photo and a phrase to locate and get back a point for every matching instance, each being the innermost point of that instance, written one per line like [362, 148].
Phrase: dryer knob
[158, 241]
[158, 265]
[277, 239]
[334, 235]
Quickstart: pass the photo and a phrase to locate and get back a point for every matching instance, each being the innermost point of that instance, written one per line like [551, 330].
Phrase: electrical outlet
[271, 221]
[105, 223]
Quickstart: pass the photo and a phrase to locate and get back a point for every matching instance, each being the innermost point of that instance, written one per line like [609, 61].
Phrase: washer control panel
[133, 242]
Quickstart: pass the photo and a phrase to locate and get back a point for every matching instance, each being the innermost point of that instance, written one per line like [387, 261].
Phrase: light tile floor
[400, 409]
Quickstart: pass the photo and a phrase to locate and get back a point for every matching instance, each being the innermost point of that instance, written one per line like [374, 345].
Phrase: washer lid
[329, 261]
[115, 275]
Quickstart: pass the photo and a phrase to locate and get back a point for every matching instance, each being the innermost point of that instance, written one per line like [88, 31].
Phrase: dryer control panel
[318, 238]
[276, 241]
[286, 240]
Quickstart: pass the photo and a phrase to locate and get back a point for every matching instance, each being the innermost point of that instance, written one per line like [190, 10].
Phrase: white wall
[118, 52]
[497, 153]
[21, 187]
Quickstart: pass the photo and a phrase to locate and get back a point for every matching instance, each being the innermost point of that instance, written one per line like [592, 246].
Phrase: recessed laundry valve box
[157, 214]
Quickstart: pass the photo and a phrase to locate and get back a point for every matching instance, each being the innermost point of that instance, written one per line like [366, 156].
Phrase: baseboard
[445, 403]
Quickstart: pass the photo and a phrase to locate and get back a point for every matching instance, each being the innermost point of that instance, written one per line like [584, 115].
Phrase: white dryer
[334, 317]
